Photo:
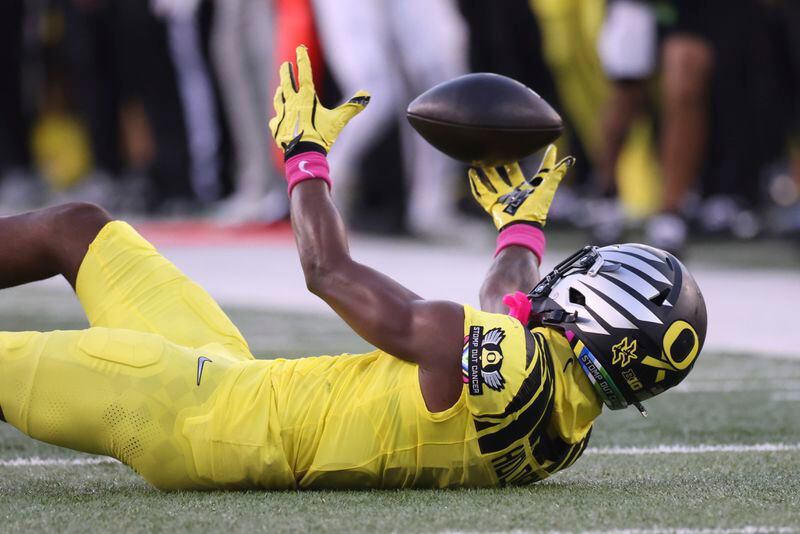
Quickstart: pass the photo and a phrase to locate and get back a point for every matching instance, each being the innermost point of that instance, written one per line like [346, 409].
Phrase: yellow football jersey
[525, 412]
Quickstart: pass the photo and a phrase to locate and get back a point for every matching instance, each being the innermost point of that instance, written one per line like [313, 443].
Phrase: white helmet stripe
[636, 263]
[603, 309]
[639, 251]
[588, 324]
[633, 281]
[622, 298]
[585, 321]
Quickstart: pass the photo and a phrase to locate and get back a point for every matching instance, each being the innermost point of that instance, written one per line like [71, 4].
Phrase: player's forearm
[379, 309]
[514, 269]
[319, 231]
[324, 253]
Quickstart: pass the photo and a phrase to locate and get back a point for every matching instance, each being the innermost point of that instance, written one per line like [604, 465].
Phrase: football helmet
[634, 316]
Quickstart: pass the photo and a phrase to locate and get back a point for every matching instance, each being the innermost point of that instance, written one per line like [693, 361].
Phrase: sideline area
[751, 309]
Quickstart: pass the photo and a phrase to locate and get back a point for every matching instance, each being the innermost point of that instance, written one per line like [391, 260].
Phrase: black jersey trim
[532, 382]
[528, 422]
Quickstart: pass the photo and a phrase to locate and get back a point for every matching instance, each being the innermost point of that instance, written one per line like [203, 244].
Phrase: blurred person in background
[398, 50]
[243, 36]
[784, 183]
[116, 58]
[197, 91]
[632, 52]
[747, 107]
[136, 75]
[14, 131]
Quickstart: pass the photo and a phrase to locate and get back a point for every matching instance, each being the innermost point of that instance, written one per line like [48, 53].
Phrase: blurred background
[684, 114]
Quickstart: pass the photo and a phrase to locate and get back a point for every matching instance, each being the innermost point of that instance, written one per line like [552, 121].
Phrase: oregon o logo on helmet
[683, 335]
[679, 348]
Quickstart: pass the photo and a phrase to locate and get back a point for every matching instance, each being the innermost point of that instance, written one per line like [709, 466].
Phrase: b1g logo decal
[482, 359]
[624, 352]
[680, 347]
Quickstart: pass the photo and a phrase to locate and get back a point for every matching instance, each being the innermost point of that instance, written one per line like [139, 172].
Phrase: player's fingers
[273, 125]
[503, 175]
[563, 166]
[354, 105]
[549, 160]
[287, 79]
[514, 173]
[551, 180]
[278, 101]
[280, 112]
[479, 190]
[305, 77]
[492, 179]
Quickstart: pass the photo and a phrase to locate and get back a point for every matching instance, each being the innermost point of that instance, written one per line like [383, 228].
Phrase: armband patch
[482, 360]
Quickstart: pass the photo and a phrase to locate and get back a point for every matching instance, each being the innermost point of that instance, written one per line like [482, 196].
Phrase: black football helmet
[634, 316]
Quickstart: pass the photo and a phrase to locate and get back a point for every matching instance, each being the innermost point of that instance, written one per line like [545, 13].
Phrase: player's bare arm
[513, 269]
[380, 310]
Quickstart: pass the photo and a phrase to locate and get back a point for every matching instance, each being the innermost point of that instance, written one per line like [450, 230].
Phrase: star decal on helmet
[624, 352]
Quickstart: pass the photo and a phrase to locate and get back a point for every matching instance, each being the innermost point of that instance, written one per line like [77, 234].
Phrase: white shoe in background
[667, 231]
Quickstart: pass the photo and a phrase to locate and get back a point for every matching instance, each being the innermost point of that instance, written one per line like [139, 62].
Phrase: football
[484, 119]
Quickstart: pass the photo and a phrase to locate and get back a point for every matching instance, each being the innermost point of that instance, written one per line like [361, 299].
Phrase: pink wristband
[522, 235]
[307, 166]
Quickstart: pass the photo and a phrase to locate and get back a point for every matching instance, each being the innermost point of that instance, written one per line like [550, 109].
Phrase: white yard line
[37, 461]
[57, 462]
[748, 529]
[694, 449]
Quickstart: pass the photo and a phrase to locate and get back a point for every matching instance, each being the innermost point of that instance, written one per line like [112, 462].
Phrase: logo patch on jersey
[482, 359]
[624, 352]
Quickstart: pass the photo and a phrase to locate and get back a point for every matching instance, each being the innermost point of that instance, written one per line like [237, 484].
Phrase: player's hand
[299, 116]
[510, 198]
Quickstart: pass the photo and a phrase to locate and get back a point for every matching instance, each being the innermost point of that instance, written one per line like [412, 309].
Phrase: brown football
[484, 119]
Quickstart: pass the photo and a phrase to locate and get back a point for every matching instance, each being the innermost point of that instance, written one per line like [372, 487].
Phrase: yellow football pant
[124, 387]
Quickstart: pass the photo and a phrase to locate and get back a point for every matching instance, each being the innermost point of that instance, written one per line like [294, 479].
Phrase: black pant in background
[116, 50]
[13, 128]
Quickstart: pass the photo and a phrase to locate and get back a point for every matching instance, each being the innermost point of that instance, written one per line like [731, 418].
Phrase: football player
[452, 397]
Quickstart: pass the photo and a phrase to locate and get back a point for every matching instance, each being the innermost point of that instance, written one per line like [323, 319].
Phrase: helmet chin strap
[554, 318]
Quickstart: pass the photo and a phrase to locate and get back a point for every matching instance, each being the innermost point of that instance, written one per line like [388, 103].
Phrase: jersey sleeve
[496, 361]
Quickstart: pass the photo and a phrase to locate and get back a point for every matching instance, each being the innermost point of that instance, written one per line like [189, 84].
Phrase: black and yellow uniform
[164, 382]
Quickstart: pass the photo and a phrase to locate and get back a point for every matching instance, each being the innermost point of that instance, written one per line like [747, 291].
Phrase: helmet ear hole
[659, 299]
[576, 297]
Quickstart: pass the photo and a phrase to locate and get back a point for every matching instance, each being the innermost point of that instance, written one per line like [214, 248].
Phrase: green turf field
[621, 483]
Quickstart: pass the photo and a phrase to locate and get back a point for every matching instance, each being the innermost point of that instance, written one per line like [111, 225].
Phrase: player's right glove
[301, 123]
[510, 198]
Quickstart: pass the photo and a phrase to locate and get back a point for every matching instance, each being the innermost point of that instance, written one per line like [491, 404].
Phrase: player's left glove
[301, 123]
[511, 198]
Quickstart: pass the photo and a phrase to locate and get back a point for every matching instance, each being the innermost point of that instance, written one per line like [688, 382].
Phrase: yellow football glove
[299, 116]
[515, 199]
